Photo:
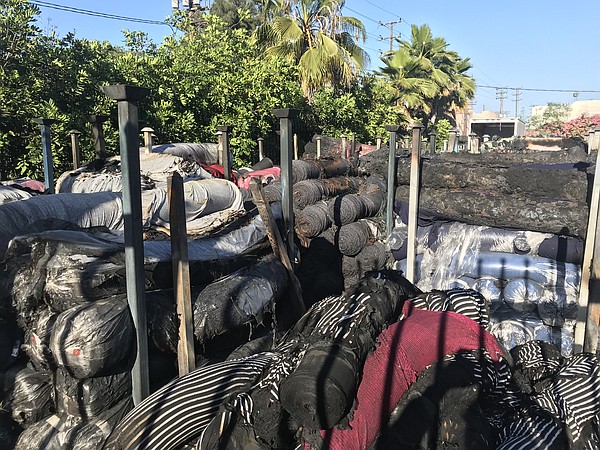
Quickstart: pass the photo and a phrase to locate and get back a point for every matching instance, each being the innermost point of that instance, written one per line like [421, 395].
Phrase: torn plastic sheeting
[89, 398]
[95, 339]
[37, 341]
[103, 209]
[202, 197]
[239, 298]
[28, 394]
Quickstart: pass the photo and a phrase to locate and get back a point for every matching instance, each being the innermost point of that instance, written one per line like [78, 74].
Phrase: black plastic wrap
[94, 339]
[90, 397]
[28, 394]
[162, 319]
[9, 431]
[37, 341]
[239, 298]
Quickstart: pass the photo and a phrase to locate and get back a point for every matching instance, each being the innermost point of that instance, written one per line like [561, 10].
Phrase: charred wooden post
[432, 143]
[391, 180]
[181, 274]
[127, 98]
[98, 132]
[261, 149]
[45, 125]
[225, 130]
[147, 139]
[413, 201]
[75, 148]
[286, 115]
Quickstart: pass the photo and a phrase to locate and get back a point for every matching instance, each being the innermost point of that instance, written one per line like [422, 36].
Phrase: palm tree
[314, 35]
[430, 79]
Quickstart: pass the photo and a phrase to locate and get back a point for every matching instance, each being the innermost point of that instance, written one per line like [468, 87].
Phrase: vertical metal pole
[596, 139]
[45, 125]
[225, 130]
[432, 142]
[127, 98]
[452, 140]
[353, 145]
[147, 139]
[391, 180]
[75, 148]
[286, 115]
[98, 132]
[295, 146]
[413, 202]
[379, 139]
[318, 147]
[261, 148]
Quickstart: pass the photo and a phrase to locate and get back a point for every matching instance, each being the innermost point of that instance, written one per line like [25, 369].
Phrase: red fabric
[405, 349]
[217, 171]
[263, 175]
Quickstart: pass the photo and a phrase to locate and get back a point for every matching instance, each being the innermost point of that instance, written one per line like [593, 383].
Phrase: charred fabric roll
[177, 413]
[340, 332]
[467, 302]
[371, 257]
[308, 192]
[273, 191]
[304, 170]
[352, 238]
[345, 209]
[373, 194]
[312, 220]
[336, 167]
[405, 349]
[239, 298]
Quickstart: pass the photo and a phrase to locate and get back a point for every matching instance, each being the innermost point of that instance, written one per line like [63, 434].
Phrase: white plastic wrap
[11, 194]
[205, 153]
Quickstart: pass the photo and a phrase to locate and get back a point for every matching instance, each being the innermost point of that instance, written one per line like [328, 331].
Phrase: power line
[102, 15]
[391, 26]
[540, 90]
[362, 15]
[383, 9]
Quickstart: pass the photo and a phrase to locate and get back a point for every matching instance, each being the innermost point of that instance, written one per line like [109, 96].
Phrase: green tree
[238, 13]
[550, 121]
[317, 38]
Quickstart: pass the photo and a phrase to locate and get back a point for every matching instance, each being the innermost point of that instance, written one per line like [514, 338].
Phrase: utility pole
[501, 95]
[517, 95]
[391, 37]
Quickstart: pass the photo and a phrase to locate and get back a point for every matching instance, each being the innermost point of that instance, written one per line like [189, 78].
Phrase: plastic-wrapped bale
[102, 209]
[202, 198]
[28, 394]
[492, 289]
[312, 220]
[304, 170]
[94, 339]
[12, 194]
[352, 238]
[308, 192]
[238, 299]
[163, 321]
[523, 295]
[557, 307]
[345, 209]
[90, 397]
[37, 341]
[204, 153]
[43, 434]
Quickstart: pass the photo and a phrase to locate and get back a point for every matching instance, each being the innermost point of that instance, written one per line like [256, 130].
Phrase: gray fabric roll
[353, 237]
[345, 209]
[312, 220]
[308, 192]
[273, 191]
[205, 153]
[304, 170]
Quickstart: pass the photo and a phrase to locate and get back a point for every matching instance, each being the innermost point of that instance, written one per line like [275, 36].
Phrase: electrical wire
[362, 15]
[87, 12]
[383, 9]
[541, 90]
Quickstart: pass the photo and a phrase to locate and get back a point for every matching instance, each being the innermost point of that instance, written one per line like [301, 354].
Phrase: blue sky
[529, 44]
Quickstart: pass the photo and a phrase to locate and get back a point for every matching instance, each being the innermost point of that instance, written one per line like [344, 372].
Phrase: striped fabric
[463, 301]
[177, 413]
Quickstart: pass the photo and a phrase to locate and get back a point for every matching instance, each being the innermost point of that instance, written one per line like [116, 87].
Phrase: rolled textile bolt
[147, 139]
[523, 295]
[312, 220]
[352, 238]
[345, 209]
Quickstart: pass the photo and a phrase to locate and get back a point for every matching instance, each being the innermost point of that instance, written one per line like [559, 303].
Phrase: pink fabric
[33, 184]
[405, 349]
[264, 175]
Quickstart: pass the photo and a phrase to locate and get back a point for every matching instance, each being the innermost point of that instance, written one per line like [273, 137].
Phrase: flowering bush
[580, 127]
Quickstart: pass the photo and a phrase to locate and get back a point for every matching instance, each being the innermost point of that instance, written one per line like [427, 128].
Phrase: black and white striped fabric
[177, 413]
[468, 302]
[557, 395]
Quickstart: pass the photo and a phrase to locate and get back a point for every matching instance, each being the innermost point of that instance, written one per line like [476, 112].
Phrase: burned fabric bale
[345, 209]
[238, 299]
[352, 238]
[89, 398]
[312, 220]
[373, 195]
[304, 170]
[371, 257]
[308, 192]
[28, 394]
[163, 321]
[178, 413]
[37, 341]
[94, 339]
[409, 347]
[467, 302]
[45, 433]
[335, 167]
[273, 191]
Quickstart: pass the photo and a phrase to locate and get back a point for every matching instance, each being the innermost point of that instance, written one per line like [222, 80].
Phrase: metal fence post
[432, 142]
[318, 147]
[45, 125]
[391, 180]
[127, 98]
[286, 115]
[147, 139]
[225, 130]
[452, 141]
[378, 140]
[261, 148]
[75, 147]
